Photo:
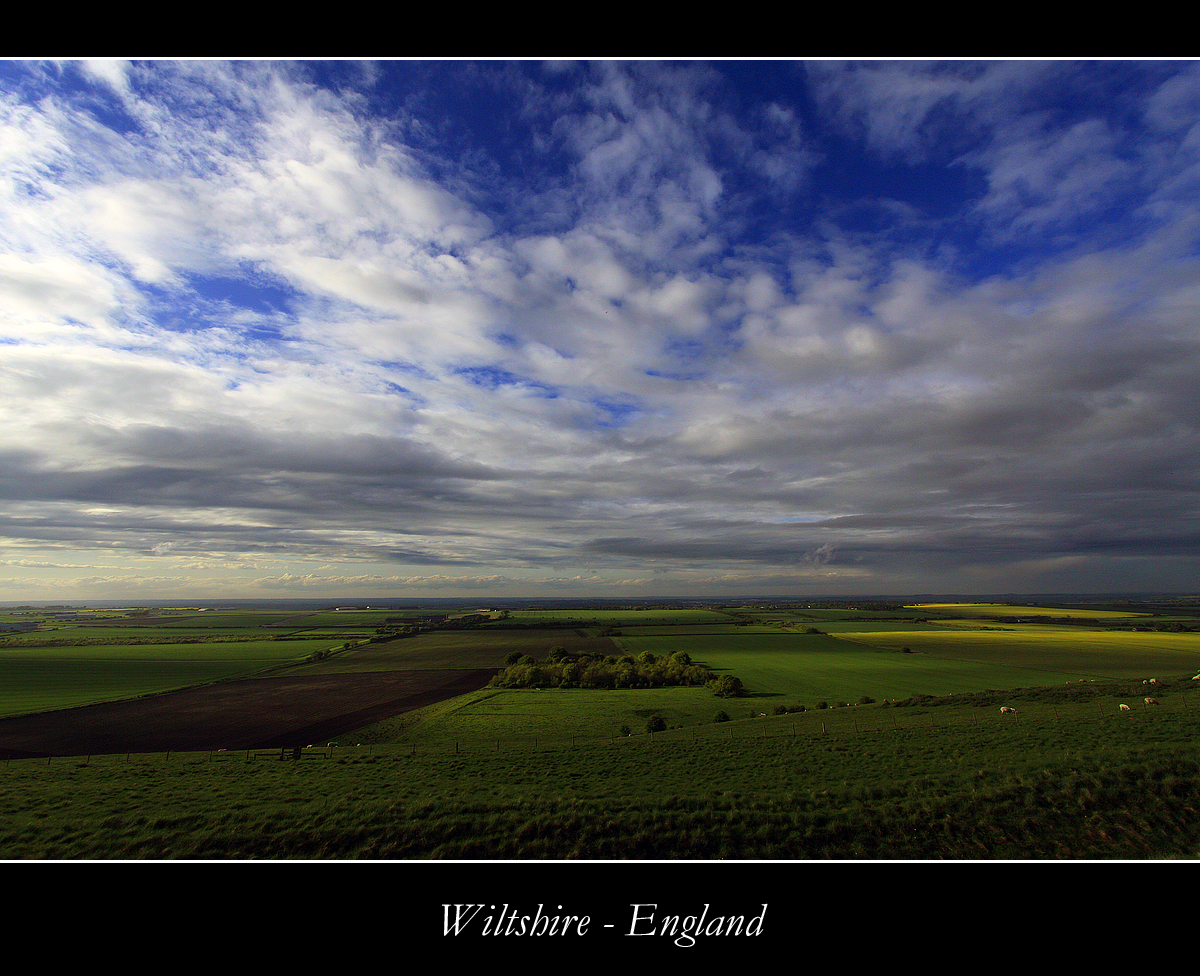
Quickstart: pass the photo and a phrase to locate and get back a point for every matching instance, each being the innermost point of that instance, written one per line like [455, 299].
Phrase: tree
[726, 686]
[656, 723]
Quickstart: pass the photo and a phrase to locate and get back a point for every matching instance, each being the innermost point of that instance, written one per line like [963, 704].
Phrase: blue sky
[647, 328]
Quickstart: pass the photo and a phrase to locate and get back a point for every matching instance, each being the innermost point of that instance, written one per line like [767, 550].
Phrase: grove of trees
[561, 670]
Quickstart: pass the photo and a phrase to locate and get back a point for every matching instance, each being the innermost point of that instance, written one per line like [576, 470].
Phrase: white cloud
[421, 358]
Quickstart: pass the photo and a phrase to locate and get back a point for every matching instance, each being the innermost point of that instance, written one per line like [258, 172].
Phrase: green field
[780, 665]
[38, 679]
[1017, 610]
[938, 780]
[70, 662]
[867, 733]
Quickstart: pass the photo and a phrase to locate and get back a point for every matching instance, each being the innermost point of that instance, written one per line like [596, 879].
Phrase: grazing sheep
[1005, 710]
[1124, 708]
[1151, 701]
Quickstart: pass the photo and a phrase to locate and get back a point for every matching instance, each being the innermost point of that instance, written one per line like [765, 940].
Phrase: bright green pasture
[42, 678]
[135, 634]
[1070, 653]
[496, 718]
[867, 626]
[804, 669]
[1015, 610]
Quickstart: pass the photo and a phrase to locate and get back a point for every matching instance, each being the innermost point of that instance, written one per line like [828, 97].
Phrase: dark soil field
[258, 713]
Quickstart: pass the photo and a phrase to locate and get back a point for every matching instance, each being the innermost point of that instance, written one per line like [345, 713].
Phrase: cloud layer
[597, 328]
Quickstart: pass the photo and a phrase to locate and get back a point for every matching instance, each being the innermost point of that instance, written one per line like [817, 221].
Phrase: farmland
[856, 725]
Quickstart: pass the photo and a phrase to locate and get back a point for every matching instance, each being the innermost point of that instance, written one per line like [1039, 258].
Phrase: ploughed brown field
[256, 713]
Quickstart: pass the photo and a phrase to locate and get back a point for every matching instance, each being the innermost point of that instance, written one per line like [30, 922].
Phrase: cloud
[636, 324]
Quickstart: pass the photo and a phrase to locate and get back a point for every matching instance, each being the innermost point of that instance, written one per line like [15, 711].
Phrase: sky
[646, 328]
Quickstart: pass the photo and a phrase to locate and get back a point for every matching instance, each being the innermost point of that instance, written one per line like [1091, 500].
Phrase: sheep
[1151, 701]
[1124, 708]
[1006, 710]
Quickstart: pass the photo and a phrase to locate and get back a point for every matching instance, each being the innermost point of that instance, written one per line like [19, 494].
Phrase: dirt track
[248, 714]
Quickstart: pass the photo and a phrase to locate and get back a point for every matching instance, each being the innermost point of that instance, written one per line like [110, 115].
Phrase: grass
[493, 719]
[806, 668]
[1019, 610]
[931, 770]
[41, 678]
[1086, 784]
[1067, 652]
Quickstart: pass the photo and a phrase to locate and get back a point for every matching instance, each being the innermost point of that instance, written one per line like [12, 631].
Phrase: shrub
[656, 723]
[721, 716]
[726, 686]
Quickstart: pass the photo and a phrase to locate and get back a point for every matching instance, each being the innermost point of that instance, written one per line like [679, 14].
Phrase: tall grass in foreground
[1079, 786]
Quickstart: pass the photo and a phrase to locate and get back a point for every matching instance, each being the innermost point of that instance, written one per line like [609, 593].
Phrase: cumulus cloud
[635, 325]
